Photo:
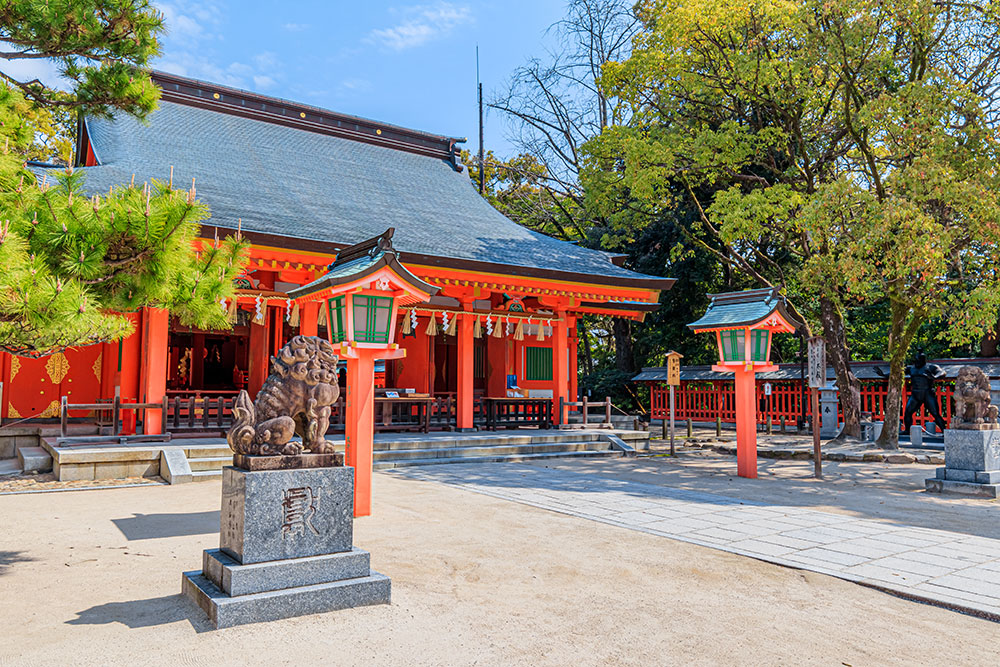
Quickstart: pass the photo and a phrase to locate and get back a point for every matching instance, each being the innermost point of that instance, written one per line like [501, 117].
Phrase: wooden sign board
[674, 368]
[817, 362]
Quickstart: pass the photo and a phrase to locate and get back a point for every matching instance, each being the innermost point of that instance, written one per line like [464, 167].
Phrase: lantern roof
[733, 310]
[372, 259]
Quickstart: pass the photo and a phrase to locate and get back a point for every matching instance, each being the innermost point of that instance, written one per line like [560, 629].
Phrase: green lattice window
[538, 363]
[371, 318]
[758, 344]
[335, 322]
[733, 345]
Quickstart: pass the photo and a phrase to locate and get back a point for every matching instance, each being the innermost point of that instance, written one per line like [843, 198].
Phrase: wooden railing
[116, 406]
[707, 401]
[193, 414]
[585, 405]
[515, 412]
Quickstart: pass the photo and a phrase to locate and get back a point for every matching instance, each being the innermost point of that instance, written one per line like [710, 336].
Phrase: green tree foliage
[98, 46]
[855, 138]
[72, 264]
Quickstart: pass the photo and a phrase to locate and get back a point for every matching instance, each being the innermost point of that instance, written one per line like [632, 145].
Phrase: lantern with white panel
[363, 291]
[744, 324]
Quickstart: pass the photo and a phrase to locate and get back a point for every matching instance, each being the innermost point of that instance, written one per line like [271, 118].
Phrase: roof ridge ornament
[370, 247]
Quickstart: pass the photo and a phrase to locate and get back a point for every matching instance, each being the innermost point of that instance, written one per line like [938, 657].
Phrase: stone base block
[272, 515]
[235, 579]
[225, 611]
[935, 485]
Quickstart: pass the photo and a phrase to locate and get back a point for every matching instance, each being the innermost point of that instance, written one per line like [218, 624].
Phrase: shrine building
[302, 183]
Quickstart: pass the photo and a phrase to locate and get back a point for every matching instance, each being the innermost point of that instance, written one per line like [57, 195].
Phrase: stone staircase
[207, 461]
[498, 447]
[202, 459]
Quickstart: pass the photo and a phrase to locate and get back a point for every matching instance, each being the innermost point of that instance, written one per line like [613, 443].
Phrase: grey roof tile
[295, 183]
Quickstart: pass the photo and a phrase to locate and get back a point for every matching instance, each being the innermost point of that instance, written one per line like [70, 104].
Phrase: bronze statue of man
[922, 393]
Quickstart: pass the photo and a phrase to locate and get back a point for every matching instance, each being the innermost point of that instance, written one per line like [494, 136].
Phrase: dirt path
[92, 578]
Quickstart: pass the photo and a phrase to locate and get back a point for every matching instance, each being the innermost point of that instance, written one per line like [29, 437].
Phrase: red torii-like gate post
[744, 324]
[362, 291]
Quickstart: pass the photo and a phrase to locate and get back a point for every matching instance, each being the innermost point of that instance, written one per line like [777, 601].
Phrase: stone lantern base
[971, 463]
[286, 549]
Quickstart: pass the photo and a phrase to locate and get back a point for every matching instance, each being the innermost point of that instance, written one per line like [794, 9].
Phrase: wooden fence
[705, 401]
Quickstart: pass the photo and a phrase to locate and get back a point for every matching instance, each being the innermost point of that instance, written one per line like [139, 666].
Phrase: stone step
[472, 439]
[205, 475]
[34, 459]
[510, 458]
[210, 463]
[207, 451]
[10, 467]
[475, 451]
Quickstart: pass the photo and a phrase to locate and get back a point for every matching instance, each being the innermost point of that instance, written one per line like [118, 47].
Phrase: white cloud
[189, 48]
[262, 82]
[420, 24]
[296, 27]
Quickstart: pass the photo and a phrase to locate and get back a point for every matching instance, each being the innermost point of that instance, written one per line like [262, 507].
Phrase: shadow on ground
[152, 526]
[144, 613]
[8, 558]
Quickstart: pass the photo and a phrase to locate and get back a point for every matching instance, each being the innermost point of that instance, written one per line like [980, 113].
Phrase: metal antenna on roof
[479, 85]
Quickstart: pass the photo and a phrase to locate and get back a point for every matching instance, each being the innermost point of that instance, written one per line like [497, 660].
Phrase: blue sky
[406, 64]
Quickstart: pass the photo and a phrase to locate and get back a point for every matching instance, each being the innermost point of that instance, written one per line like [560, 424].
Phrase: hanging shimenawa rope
[295, 318]
[407, 327]
[498, 329]
[432, 326]
[453, 327]
[232, 310]
[541, 331]
[519, 331]
[477, 329]
[321, 320]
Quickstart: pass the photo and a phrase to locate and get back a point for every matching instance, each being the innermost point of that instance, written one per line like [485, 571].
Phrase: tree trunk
[624, 354]
[840, 358]
[901, 335]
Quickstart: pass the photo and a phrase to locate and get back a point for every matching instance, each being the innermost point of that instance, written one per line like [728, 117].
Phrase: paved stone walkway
[941, 567]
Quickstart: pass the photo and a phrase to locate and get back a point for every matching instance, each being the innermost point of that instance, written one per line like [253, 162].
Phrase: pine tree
[72, 265]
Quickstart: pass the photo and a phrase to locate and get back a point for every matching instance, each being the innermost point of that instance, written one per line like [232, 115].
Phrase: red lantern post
[362, 292]
[744, 324]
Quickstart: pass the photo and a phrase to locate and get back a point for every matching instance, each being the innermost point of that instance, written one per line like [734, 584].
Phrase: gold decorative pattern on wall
[57, 367]
[15, 366]
[97, 367]
[12, 412]
[51, 411]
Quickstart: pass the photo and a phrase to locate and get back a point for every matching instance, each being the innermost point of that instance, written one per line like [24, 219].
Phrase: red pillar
[466, 364]
[359, 436]
[573, 392]
[276, 319]
[258, 357]
[129, 361]
[746, 424]
[155, 334]
[309, 318]
[560, 364]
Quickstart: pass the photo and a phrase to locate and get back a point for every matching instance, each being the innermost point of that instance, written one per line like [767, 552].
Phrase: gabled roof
[742, 309]
[303, 173]
[361, 260]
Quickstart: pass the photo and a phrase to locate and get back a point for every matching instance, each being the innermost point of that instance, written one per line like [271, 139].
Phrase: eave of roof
[741, 309]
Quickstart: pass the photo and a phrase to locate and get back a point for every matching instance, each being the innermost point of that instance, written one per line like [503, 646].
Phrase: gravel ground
[476, 580]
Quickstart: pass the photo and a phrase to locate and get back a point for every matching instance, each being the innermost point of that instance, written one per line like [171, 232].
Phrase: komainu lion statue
[295, 399]
[972, 399]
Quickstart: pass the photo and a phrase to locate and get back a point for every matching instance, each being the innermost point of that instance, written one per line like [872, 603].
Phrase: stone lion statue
[295, 399]
[972, 399]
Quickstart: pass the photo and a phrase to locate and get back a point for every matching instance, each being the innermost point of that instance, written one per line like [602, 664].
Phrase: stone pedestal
[285, 549]
[828, 402]
[971, 463]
